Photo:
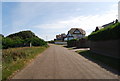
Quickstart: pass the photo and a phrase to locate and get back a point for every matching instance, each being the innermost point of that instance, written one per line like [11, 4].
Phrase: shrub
[22, 34]
[35, 41]
[22, 39]
[7, 43]
[71, 43]
[52, 41]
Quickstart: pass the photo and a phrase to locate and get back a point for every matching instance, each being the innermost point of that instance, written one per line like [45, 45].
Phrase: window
[76, 31]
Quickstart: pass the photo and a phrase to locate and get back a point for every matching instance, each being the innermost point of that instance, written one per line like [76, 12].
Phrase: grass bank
[110, 32]
[109, 61]
[15, 59]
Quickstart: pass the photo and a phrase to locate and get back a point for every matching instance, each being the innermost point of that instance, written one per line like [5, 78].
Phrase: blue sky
[46, 19]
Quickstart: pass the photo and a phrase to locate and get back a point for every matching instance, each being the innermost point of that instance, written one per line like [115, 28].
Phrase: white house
[119, 11]
[75, 33]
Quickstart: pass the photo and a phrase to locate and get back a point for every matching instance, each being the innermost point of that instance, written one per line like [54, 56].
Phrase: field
[14, 59]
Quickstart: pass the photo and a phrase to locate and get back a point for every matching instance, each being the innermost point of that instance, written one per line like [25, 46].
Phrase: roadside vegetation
[15, 59]
[109, 61]
[18, 49]
[52, 41]
[22, 39]
[72, 42]
[1, 41]
[110, 32]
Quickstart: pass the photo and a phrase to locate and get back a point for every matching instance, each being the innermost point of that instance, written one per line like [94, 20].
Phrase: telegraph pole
[46, 38]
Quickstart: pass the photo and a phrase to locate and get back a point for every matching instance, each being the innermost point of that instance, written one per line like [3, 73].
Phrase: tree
[22, 39]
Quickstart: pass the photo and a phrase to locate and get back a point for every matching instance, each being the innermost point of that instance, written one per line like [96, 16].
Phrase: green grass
[110, 32]
[15, 59]
[109, 61]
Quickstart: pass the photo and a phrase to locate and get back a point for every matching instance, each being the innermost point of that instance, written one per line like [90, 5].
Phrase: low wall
[108, 48]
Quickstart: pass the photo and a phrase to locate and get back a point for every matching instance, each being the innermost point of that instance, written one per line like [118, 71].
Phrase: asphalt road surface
[58, 62]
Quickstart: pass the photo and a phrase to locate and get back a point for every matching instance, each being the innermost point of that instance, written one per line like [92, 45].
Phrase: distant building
[75, 33]
[103, 26]
[108, 24]
[58, 37]
[61, 37]
[119, 11]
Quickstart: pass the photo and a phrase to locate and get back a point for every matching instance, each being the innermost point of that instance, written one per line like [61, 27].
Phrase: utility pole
[46, 38]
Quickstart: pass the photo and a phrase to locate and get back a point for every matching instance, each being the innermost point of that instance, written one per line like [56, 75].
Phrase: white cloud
[52, 26]
[88, 23]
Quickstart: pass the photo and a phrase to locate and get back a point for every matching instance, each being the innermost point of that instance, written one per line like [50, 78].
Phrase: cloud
[25, 13]
[88, 23]
[51, 26]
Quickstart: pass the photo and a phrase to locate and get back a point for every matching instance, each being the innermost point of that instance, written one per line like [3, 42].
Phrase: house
[75, 33]
[108, 24]
[61, 37]
[58, 37]
[119, 11]
[103, 26]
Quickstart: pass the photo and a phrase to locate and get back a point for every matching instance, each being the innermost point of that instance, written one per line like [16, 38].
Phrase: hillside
[22, 39]
[22, 35]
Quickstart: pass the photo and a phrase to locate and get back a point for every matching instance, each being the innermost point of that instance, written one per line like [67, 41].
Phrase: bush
[52, 41]
[22, 34]
[71, 43]
[35, 41]
[1, 42]
[108, 33]
[22, 39]
[7, 43]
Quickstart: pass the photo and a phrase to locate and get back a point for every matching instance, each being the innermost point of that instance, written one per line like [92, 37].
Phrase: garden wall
[108, 48]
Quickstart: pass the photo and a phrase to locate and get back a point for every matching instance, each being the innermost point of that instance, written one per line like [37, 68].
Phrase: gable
[77, 32]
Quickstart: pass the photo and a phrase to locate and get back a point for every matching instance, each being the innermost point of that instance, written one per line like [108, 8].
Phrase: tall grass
[16, 58]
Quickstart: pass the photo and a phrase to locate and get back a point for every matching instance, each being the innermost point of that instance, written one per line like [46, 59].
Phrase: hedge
[110, 32]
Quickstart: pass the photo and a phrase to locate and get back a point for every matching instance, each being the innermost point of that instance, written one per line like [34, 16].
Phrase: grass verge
[106, 60]
[15, 59]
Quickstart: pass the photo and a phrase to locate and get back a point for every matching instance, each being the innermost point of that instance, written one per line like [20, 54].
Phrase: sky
[47, 19]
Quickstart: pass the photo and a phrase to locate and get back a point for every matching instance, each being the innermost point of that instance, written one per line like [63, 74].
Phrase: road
[58, 62]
